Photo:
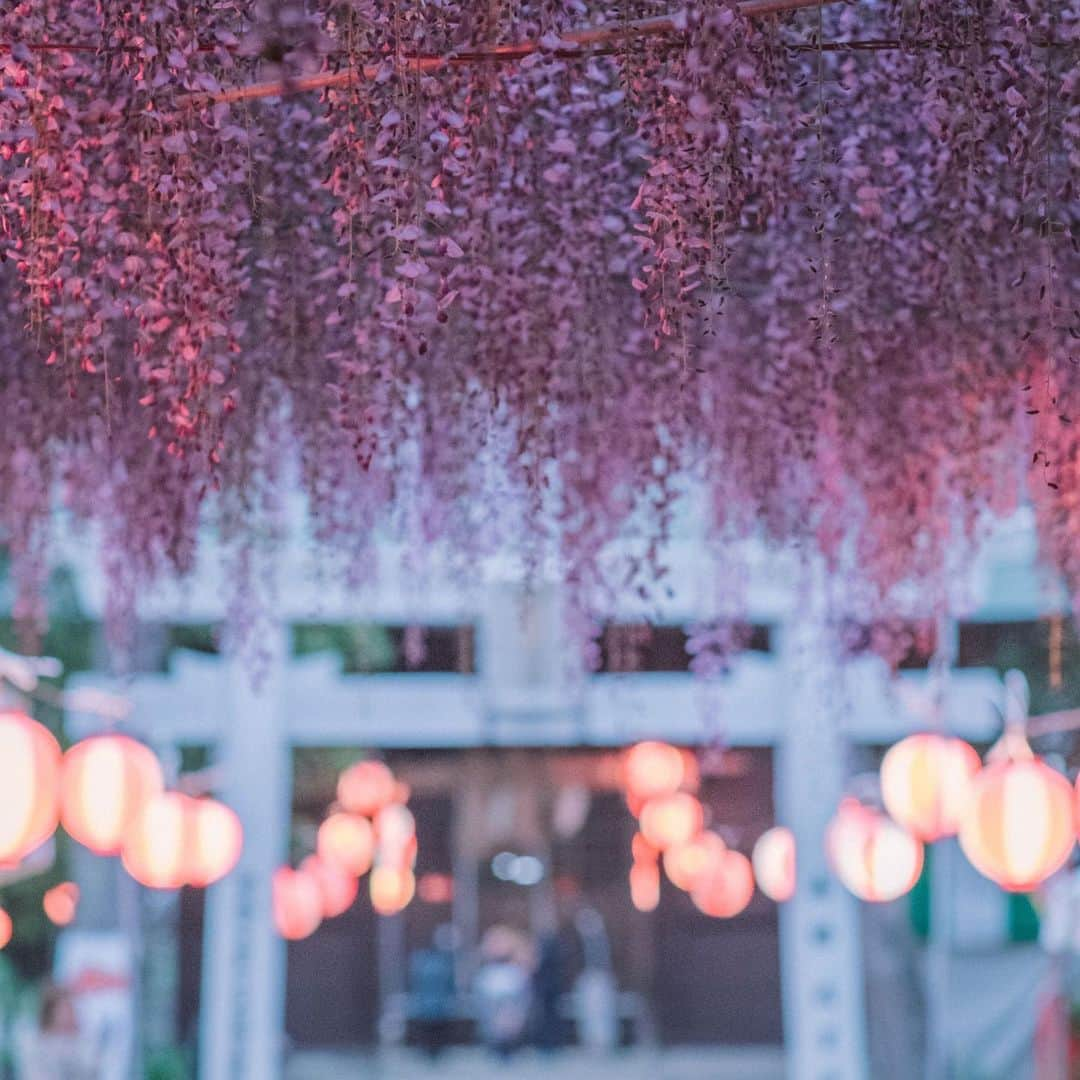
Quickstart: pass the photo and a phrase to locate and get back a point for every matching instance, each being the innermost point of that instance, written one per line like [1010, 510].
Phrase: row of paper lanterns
[660, 782]
[108, 792]
[1016, 819]
[369, 831]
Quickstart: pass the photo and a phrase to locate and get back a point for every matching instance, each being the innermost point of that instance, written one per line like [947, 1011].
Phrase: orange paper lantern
[645, 885]
[773, 860]
[177, 840]
[154, 847]
[670, 820]
[5, 928]
[726, 887]
[337, 885]
[654, 768]
[392, 888]
[215, 841]
[875, 858]
[1019, 825]
[106, 780]
[347, 840]
[686, 863]
[395, 832]
[61, 902]
[926, 784]
[29, 785]
[297, 903]
[366, 787]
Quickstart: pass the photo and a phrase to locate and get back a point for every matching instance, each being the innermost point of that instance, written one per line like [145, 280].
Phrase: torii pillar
[243, 989]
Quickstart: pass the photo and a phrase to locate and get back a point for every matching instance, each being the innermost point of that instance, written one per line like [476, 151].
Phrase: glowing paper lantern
[671, 820]
[1019, 825]
[215, 841]
[686, 863]
[297, 903]
[392, 888]
[366, 787]
[29, 785]
[645, 885]
[395, 831]
[926, 784]
[337, 886]
[875, 858]
[177, 840]
[434, 888]
[105, 782]
[773, 860]
[642, 850]
[5, 928]
[155, 844]
[61, 902]
[652, 768]
[347, 840]
[726, 888]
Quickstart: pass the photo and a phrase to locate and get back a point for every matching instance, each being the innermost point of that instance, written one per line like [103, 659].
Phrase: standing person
[58, 1049]
[432, 992]
[503, 992]
[547, 984]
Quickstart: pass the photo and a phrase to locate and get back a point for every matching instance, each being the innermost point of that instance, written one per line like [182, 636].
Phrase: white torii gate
[793, 700]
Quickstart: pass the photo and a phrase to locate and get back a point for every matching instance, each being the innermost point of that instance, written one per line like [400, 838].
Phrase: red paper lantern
[347, 840]
[297, 903]
[773, 860]
[61, 902]
[926, 784]
[105, 782]
[216, 839]
[653, 768]
[670, 820]
[29, 785]
[5, 928]
[435, 888]
[337, 885]
[875, 858]
[645, 885]
[392, 888]
[366, 787]
[1019, 827]
[686, 863]
[726, 887]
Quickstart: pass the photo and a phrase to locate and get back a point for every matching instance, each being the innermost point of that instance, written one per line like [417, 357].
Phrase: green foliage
[363, 647]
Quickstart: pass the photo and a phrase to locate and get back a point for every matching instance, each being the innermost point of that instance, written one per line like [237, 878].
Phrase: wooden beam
[575, 40]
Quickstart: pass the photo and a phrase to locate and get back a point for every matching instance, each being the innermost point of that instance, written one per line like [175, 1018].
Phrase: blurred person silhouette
[57, 1049]
[503, 989]
[547, 987]
[432, 992]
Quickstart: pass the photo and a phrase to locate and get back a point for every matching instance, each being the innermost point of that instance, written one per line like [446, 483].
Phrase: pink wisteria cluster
[823, 261]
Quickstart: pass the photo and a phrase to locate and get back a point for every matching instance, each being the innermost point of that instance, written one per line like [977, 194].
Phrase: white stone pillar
[243, 988]
[820, 946]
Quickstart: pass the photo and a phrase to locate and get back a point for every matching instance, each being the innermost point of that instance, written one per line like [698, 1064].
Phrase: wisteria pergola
[562, 256]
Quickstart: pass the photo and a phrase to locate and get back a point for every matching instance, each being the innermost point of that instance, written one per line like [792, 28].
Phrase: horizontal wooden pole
[590, 37]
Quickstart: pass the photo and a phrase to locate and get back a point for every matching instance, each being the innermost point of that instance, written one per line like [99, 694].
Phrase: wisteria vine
[822, 262]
